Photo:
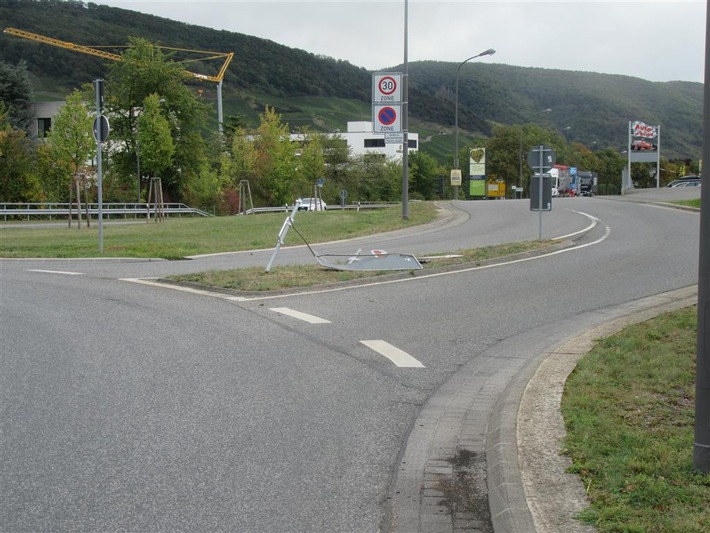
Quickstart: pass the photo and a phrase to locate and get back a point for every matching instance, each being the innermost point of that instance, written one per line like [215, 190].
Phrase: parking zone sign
[386, 118]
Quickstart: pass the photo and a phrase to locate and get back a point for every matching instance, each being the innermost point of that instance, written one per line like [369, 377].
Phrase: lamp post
[520, 153]
[488, 52]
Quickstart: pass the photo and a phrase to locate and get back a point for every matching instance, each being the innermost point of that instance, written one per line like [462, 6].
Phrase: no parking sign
[386, 118]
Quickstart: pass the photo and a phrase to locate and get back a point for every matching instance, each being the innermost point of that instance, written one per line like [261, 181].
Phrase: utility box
[535, 204]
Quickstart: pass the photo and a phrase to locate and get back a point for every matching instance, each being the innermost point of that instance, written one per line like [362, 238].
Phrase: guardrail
[27, 210]
[330, 207]
[49, 210]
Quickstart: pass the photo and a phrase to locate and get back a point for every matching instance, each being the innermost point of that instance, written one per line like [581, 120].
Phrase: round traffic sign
[387, 85]
[101, 129]
[542, 158]
[387, 116]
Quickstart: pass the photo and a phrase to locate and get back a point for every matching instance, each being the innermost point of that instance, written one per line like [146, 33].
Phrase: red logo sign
[639, 129]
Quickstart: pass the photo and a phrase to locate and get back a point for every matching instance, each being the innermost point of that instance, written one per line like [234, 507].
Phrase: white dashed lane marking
[311, 319]
[398, 357]
[63, 273]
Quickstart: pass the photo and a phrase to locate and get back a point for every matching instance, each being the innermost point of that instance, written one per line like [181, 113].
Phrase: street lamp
[488, 52]
[520, 153]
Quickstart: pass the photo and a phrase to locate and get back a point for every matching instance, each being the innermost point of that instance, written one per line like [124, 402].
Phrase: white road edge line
[398, 357]
[56, 272]
[311, 319]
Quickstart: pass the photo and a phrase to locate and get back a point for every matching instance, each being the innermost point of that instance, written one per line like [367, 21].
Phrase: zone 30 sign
[387, 88]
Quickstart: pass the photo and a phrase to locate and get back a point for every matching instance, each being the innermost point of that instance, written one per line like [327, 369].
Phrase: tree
[423, 172]
[71, 137]
[311, 163]
[275, 166]
[143, 71]
[611, 165]
[15, 93]
[374, 178]
[154, 138]
[17, 181]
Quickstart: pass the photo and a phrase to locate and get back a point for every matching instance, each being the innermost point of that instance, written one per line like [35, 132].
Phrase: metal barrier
[27, 210]
[49, 210]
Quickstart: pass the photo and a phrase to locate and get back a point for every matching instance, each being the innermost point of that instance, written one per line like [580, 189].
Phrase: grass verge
[177, 238]
[689, 203]
[629, 413]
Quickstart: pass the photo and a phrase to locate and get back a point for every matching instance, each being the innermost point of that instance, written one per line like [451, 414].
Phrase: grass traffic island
[294, 277]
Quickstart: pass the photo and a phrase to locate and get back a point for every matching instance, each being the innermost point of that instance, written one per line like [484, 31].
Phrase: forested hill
[325, 91]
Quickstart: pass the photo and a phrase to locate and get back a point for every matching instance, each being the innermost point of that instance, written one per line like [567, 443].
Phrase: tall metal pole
[138, 163]
[98, 89]
[701, 447]
[220, 117]
[488, 52]
[405, 118]
[520, 162]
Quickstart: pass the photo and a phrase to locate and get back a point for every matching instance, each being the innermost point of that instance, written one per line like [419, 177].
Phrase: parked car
[689, 177]
[311, 204]
[687, 183]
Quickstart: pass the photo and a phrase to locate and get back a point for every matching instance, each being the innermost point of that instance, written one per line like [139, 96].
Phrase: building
[361, 140]
[44, 113]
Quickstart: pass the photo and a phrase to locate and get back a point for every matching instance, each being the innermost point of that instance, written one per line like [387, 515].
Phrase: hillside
[324, 93]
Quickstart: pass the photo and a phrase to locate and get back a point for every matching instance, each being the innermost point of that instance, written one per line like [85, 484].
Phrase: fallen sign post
[282, 236]
[376, 260]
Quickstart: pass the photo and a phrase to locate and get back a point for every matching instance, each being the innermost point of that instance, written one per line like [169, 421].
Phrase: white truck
[560, 180]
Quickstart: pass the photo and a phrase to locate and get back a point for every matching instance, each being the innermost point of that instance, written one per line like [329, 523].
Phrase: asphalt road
[130, 406]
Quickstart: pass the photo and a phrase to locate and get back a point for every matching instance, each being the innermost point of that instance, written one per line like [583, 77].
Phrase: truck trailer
[587, 182]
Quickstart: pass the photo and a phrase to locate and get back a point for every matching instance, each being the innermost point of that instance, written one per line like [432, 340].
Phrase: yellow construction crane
[227, 56]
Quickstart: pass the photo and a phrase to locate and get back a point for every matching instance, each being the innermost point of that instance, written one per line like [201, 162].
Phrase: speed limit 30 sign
[387, 88]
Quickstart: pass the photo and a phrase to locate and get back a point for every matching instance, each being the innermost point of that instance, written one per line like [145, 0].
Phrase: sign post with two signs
[387, 102]
[541, 159]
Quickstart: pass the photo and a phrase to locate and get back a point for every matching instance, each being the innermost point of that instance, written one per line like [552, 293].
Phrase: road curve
[129, 406]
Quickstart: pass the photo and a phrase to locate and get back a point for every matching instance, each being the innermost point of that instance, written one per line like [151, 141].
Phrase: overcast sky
[653, 40]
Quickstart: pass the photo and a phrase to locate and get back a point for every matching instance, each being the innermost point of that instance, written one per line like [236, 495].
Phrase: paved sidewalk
[501, 451]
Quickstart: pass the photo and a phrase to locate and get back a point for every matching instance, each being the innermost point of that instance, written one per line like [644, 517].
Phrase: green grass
[629, 412]
[181, 237]
[690, 203]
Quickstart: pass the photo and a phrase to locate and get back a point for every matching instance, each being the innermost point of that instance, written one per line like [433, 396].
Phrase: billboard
[477, 162]
[644, 142]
